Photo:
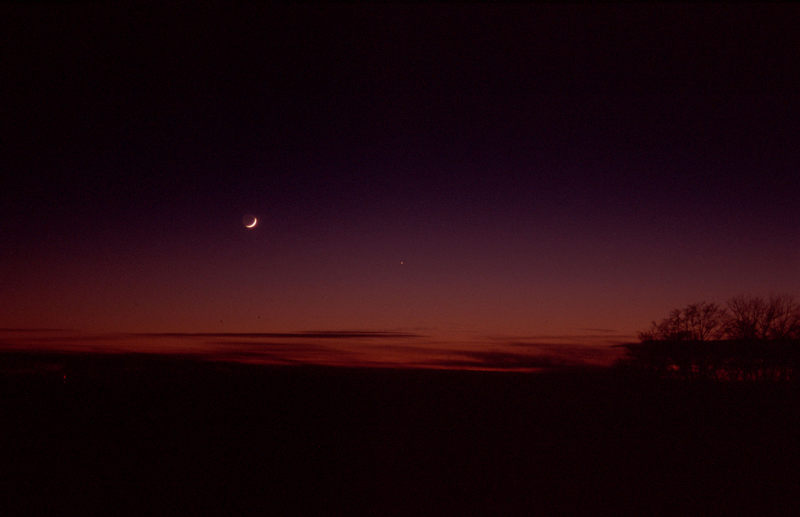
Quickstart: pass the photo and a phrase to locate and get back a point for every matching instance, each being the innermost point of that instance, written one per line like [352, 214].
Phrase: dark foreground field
[150, 436]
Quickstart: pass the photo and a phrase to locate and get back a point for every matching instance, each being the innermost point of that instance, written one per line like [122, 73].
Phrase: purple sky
[450, 171]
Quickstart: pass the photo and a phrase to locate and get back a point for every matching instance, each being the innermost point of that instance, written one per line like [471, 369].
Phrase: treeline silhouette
[750, 338]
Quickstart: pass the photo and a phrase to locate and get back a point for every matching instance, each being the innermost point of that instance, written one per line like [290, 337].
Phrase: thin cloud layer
[317, 334]
[352, 348]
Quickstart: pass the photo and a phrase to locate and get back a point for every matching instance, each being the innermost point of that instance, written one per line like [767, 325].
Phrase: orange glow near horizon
[340, 349]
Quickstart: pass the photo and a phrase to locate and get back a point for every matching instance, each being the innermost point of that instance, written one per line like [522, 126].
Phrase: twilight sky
[528, 172]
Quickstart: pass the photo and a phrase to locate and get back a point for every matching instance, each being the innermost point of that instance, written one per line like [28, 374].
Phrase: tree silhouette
[697, 321]
[756, 318]
[751, 338]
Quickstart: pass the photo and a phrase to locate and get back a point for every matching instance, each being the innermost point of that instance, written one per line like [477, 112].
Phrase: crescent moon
[253, 224]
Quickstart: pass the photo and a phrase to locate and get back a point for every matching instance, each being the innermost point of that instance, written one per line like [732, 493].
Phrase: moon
[252, 224]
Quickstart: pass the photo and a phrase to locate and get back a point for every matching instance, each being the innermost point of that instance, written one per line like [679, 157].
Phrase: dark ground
[148, 435]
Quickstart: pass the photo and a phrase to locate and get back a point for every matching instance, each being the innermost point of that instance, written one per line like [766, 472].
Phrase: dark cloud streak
[321, 334]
